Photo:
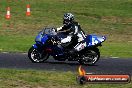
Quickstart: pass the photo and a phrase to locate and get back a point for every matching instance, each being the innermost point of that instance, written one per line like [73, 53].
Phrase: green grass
[117, 49]
[15, 43]
[10, 78]
[112, 18]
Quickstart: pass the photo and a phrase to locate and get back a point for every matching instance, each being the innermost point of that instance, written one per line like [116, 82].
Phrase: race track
[104, 66]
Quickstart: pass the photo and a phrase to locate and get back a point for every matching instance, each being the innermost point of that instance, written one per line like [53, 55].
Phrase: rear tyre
[90, 57]
[36, 56]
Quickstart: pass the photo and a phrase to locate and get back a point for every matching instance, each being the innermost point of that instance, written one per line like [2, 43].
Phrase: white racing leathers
[81, 45]
[79, 33]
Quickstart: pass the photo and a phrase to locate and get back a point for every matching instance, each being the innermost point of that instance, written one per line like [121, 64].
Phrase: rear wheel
[90, 57]
[36, 56]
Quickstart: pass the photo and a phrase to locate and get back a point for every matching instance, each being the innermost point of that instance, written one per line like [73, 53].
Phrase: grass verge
[105, 17]
[11, 78]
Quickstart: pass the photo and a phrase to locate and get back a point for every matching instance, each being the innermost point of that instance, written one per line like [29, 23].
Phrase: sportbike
[47, 45]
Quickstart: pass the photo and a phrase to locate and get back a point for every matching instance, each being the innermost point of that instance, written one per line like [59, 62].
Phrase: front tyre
[90, 57]
[36, 56]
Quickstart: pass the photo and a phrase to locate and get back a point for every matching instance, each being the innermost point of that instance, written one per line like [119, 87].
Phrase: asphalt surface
[103, 66]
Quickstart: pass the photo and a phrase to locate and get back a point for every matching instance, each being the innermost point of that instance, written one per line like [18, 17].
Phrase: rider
[72, 29]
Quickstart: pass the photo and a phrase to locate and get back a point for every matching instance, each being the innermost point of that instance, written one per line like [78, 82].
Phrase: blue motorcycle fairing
[41, 38]
[35, 46]
[92, 40]
[38, 37]
[57, 51]
[44, 38]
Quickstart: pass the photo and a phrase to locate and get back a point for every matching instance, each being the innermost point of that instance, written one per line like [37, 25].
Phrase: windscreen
[50, 31]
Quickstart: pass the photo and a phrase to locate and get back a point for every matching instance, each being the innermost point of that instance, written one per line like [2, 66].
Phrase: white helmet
[68, 18]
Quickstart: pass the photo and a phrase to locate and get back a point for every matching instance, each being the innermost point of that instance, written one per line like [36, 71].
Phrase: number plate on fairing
[94, 40]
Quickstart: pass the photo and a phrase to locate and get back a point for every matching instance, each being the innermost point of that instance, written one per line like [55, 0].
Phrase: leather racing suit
[73, 30]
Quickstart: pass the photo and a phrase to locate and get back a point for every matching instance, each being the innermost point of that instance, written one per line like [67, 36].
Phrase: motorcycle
[47, 44]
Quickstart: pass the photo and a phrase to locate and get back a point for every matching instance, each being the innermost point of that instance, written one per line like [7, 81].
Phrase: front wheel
[36, 56]
[90, 57]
